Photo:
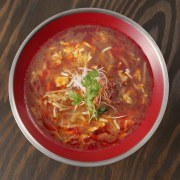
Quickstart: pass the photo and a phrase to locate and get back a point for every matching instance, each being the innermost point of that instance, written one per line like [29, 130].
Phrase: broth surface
[89, 87]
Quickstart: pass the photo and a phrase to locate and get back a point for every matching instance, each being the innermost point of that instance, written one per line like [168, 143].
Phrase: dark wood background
[157, 159]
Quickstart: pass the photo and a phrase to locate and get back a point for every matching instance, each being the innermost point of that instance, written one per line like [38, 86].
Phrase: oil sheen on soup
[89, 87]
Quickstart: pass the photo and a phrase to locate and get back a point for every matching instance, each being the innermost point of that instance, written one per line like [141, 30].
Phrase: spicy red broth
[89, 87]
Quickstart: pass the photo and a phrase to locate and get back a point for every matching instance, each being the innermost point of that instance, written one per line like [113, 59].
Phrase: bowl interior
[61, 23]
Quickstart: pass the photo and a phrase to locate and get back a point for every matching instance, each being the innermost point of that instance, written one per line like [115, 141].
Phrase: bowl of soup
[88, 87]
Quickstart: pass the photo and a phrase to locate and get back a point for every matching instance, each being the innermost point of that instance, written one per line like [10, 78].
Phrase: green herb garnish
[76, 98]
[92, 89]
[102, 110]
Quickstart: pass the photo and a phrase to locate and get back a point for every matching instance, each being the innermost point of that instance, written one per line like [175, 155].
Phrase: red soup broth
[89, 87]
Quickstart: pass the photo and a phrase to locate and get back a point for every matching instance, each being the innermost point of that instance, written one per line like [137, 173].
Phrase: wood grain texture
[158, 159]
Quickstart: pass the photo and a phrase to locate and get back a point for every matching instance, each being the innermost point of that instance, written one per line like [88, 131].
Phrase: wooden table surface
[157, 159]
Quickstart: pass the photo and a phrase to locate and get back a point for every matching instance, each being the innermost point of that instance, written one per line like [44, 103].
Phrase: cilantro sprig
[92, 90]
[76, 98]
[92, 87]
